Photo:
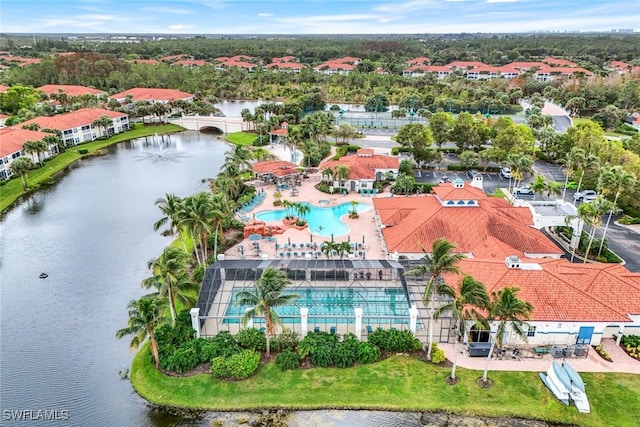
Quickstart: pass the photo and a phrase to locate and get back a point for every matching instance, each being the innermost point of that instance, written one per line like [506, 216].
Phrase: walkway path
[593, 363]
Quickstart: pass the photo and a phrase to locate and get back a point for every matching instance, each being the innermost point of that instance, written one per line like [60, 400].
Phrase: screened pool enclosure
[333, 295]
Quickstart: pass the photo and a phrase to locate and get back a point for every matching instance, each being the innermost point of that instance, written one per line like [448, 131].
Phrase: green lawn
[10, 192]
[241, 138]
[399, 383]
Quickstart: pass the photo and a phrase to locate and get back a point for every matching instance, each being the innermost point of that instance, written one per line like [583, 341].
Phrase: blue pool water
[322, 221]
[336, 305]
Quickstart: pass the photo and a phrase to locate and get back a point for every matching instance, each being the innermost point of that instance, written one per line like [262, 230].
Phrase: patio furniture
[281, 254]
[479, 349]
[332, 331]
[369, 329]
[540, 351]
[316, 329]
[303, 253]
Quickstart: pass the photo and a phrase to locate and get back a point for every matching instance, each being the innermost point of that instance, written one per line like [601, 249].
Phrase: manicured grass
[241, 138]
[400, 383]
[497, 193]
[10, 192]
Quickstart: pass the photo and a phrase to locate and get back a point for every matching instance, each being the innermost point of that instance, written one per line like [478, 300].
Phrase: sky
[315, 16]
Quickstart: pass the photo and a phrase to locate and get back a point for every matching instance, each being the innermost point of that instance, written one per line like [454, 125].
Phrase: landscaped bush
[287, 340]
[343, 150]
[394, 340]
[323, 188]
[219, 367]
[222, 344]
[631, 344]
[319, 346]
[344, 355]
[287, 360]
[83, 151]
[238, 366]
[437, 354]
[183, 359]
[242, 365]
[253, 339]
[368, 353]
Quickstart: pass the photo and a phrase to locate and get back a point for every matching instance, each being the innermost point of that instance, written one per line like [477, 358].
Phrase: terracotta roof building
[572, 303]
[270, 170]
[77, 126]
[71, 90]
[152, 95]
[365, 168]
[13, 139]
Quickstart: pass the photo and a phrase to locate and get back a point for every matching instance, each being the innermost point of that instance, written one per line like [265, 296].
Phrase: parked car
[525, 189]
[505, 173]
[473, 172]
[585, 196]
[444, 179]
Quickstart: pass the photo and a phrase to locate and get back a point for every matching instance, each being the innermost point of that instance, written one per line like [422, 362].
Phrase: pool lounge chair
[369, 329]
[332, 331]
[316, 329]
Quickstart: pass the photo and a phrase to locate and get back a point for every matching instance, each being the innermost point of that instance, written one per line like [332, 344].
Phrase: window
[68, 132]
[531, 332]
[86, 128]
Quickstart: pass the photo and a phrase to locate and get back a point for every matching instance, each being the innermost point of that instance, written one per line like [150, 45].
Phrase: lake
[92, 233]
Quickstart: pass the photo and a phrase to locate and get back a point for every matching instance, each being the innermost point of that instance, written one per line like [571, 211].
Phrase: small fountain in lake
[162, 149]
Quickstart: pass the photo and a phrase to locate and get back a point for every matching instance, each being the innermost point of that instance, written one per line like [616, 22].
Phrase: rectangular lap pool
[335, 305]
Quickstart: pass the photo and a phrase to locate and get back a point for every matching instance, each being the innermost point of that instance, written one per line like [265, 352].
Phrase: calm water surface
[92, 234]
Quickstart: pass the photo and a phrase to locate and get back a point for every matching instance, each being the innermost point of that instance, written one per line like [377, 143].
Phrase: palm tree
[302, 209]
[342, 248]
[591, 213]
[465, 302]
[266, 296]
[102, 123]
[171, 206]
[240, 157]
[145, 315]
[342, 174]
[553, 187]
[170, 278]
[539, 184]
[614, 179]
[327, 248]
[196, 217]
[21, 166]
[571, 161]
[521, 165]
[586, 163]
[440, 260]
[508, 310]
[328, 173]
[32, 147]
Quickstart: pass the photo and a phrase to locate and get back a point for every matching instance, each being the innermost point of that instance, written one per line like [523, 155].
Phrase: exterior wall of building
[88, 132]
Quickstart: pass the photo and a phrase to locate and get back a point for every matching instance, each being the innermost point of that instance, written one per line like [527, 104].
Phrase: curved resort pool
[322, 221]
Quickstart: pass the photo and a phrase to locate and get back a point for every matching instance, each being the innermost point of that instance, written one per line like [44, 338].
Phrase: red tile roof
[526, 65]
[334, 64]
[493, 229]
[281, 131]
[281, 65]
[421, 60]
[465, 64]
[429, 68]
[70, 90]
[13, 138]
[191, 63]
[288, 58]
[564, 71]
[241, 58]
[363, 167]
[275, 167]
[240, 64]
[559, 61]
[74, 119]
[561, 291]
[173, 57]
[4, 88]
[152, 94]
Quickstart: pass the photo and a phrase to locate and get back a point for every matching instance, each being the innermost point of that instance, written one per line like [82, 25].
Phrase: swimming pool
[335, 305]
[322, 221]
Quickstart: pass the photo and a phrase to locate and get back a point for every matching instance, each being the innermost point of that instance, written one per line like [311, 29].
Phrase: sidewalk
[593, 363]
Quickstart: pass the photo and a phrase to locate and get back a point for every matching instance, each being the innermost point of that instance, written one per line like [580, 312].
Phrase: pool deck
[362, 229]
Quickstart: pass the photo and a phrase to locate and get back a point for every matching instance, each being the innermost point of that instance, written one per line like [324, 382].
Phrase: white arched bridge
[223, 124]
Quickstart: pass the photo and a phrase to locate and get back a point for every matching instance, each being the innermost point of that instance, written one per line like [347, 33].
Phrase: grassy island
[399, 383]
[12, 190]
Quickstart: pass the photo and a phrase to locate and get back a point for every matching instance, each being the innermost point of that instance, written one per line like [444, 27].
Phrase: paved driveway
[624, 242]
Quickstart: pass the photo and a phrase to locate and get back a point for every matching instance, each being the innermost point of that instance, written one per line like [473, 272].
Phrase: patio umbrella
[255, 237]
[311, 237]
[289, 240]
[363, 239]
[349, 238]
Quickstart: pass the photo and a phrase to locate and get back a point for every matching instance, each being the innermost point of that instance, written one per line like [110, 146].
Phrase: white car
[505, 173]
[525, 189]
[585, 196]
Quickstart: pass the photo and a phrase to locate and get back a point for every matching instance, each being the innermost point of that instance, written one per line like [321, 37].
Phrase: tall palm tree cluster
[468, 303]
[196, 221]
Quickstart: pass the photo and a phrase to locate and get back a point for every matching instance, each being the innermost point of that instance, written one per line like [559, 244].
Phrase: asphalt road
[622, 241]
[561, 123]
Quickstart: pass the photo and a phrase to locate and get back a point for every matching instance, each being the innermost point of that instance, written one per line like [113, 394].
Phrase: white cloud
[97, 17]
[501, 1]
[166, 9]
[264, 14]
[180, 27]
